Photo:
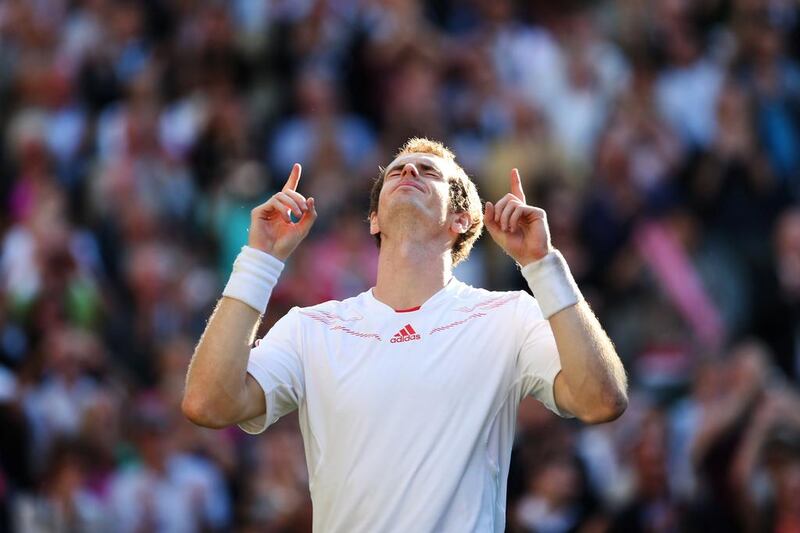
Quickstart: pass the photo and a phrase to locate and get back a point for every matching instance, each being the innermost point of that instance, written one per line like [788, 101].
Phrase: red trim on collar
[407, 310]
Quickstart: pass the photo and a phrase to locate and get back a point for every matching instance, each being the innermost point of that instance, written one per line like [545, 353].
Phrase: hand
[271, 226]
[521, 230]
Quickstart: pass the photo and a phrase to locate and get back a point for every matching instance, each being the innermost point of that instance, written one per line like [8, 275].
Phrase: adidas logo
[406, 334]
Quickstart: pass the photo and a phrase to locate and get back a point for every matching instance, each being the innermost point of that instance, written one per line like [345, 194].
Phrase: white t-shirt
[408, 417]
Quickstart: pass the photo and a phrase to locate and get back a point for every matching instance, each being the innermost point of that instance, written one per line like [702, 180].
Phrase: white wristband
[552, 283]
[254, 275]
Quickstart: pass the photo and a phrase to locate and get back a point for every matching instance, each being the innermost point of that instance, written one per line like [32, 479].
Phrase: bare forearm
[216, 382]
[594, 385]
[591, 384]
[219, 392]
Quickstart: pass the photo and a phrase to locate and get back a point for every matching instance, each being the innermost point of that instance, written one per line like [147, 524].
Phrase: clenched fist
[271, 227]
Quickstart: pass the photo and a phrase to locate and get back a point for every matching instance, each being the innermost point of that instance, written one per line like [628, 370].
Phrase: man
[408, 392]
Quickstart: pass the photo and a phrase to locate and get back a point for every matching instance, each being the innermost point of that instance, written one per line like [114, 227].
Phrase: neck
[410, 271]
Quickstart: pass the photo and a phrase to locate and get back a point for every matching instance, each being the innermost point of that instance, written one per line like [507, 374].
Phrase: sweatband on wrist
[552, 283]
[254, 275]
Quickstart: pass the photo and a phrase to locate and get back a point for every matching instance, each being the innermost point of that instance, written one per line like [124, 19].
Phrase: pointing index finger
[294, 178]
[516, 185]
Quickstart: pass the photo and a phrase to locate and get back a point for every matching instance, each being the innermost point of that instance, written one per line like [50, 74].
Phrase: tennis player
[407, 393]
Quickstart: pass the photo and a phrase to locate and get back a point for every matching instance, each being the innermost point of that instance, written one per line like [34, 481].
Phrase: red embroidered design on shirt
[486, 305]
[491, 303]
[320, 315]
[333, 321]
[456, 323]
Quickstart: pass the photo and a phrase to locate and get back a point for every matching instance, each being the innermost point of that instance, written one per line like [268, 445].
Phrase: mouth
[409, 184]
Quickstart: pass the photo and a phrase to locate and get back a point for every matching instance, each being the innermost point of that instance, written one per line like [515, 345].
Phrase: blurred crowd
[661, 136]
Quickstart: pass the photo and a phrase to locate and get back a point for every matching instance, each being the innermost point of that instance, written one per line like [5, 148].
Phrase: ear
[374, 229]
[461, 223]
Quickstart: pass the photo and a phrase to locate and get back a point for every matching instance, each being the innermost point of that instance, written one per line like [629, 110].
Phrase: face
[417, 185]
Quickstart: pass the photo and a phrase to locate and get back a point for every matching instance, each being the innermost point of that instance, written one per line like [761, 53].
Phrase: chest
[410, 363]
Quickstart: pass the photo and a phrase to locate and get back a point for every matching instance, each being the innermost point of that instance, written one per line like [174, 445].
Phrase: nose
[410, 170]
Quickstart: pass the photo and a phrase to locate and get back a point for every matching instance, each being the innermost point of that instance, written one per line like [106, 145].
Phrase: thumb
[488, 218]
[310, 215]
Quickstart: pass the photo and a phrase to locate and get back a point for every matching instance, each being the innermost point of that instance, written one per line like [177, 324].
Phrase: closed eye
[424, 169]
[429, 170]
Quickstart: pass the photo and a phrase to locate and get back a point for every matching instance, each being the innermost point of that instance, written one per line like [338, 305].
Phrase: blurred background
[662, 137]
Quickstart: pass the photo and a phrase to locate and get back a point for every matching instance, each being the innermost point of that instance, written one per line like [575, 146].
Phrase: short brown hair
[463, 194]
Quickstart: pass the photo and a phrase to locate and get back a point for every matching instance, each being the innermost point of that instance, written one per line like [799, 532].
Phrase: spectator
[166, 490]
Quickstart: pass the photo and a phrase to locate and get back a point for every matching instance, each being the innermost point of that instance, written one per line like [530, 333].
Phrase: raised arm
[219, 392]
[592, 384]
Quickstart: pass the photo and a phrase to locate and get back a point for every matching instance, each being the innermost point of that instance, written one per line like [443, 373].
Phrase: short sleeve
[276, 364]
[538, 363]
